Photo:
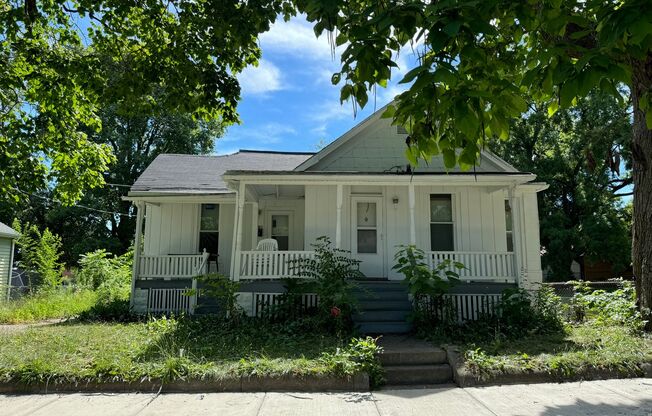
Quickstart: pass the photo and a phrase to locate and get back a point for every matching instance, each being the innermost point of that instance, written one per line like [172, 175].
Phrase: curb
[285, 383]
[464, 378]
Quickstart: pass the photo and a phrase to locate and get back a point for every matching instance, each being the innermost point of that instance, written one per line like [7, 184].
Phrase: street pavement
[609, 397]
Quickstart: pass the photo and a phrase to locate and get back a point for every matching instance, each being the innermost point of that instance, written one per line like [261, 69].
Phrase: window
[441, 223]
[508, 226]
[281, 231]
[209, 229]
[367, 228]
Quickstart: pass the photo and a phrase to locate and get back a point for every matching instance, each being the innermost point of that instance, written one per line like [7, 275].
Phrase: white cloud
[331, 110]
[260, 80]
[268, 133]
[297, 38]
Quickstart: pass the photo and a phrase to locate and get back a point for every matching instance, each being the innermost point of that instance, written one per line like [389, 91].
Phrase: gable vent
[400, 130]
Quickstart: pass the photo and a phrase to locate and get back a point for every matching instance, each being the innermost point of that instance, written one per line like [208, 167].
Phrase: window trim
[199, 225]
[509, 233]
[451, 222]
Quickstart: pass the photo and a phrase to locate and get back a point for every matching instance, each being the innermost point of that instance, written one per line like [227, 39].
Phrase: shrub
[329, 274]
[223, 290]
[39, 255]
[606, 308]
[109, 275]
[427, 286]
[362, 354]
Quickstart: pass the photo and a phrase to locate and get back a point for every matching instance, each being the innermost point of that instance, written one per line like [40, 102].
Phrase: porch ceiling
[278, 191]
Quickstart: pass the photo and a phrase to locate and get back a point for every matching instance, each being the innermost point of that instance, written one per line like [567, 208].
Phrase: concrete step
[381, 315]
[384, 327]
[388, 305]
[424, 356]
[418, 374]
[394, 295]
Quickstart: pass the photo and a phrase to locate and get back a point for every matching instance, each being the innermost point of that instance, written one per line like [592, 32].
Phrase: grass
[579, 348]
[165, 350]
[61, 303]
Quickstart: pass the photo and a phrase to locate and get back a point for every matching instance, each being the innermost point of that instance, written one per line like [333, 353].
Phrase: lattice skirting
[169, 300]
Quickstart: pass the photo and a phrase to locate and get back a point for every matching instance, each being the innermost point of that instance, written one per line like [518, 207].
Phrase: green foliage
[361, 355]
[329, 274]
[49, 304]
[110, 277]
[427, 285]
[143, 58]
[603, 308]
[584, 154]
[202, 348]
[39, 254]
[224, 291]
[422, 279]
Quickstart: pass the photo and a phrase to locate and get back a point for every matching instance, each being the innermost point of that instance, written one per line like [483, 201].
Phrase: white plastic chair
[268, 244]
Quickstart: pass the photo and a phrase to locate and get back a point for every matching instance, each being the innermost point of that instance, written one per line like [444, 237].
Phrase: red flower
[335, 311]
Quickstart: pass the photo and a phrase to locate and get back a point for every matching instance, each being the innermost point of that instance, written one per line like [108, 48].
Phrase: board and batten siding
[478, 216]
[379, 148]
[294, 208]
[5, 266]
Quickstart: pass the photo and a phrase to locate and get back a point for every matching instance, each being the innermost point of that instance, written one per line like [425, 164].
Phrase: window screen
[441, 223]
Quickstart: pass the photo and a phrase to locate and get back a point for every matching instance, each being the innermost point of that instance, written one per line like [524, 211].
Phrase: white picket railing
[478, 266]
[170, 300]
[177, 266]
[270, 264]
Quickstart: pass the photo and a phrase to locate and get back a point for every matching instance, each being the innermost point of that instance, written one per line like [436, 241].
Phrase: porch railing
[479, 266]
[176, 266]
[270, 264]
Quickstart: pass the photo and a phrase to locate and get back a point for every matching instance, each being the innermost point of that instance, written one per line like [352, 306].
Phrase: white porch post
[338, 227]
[515, 205]
[412, 203]
[237, 231]
[140, 207]
[254, 223]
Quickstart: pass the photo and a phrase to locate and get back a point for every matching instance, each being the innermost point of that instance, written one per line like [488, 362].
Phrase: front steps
[383, 307]
[409, 362]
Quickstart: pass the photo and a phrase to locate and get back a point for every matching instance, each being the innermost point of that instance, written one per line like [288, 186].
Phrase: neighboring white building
[358, 191]
[7, 243]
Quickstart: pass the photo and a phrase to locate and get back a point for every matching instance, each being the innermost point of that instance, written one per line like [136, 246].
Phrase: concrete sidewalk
[610, 397]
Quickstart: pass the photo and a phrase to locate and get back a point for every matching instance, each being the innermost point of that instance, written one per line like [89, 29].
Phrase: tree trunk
[642, 172]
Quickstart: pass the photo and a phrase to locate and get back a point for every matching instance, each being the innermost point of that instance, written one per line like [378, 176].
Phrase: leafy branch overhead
[480, 63]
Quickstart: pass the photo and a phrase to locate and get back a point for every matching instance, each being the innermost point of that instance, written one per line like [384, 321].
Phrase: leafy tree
[59, 61]
[583, 153]
[481, 61]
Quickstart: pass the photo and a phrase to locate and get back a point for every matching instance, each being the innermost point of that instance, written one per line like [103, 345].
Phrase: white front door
[367, 235]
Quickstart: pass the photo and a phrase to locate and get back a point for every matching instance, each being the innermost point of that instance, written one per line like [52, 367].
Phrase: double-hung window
[509, 234]
[441, 223]
[209, 229]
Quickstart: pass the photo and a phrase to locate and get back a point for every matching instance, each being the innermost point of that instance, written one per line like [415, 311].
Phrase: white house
[8, 238]
[208, 213]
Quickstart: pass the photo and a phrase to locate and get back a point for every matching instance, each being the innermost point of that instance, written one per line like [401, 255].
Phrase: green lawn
[579, 347]
[165, 349]
[60, 303]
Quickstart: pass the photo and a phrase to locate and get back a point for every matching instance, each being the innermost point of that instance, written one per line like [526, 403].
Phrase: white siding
[227, 212]
[172, 229]
[478, 215]
[5, 267]
[379, 148]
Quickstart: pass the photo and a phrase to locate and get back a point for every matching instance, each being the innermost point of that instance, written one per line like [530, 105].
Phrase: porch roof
[175, 174]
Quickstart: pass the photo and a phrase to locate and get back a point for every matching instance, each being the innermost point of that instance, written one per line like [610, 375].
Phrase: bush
[330, 275]
[604, 308]
[109, 275]
[427, 287]
[362, 354]
[224, 291]
[39, 254]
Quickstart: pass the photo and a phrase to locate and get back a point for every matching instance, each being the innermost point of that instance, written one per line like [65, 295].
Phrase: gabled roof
[375, 145]
[7, 231]
[193, 174]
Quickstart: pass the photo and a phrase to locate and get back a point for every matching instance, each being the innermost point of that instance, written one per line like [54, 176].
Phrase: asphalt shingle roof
[173, 173]
[7, 231]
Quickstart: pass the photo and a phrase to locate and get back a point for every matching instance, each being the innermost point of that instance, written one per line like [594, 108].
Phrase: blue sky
[288, 101]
